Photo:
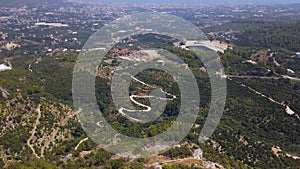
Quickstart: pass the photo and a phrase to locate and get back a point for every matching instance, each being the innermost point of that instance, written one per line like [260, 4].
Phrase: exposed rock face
[198, 154]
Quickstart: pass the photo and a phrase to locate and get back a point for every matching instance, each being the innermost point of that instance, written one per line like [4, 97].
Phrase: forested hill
[279, 35]
[237, 25]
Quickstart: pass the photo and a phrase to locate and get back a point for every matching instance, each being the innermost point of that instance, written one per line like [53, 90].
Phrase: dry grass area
[161, 160]
[220, 44]
[156, 159]
[261, 56]
[276, 151]
[189, 162]
[11, 46]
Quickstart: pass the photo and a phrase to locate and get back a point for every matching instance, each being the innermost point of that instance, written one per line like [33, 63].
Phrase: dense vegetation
[237, 26]
[250, 127]
[274, 36]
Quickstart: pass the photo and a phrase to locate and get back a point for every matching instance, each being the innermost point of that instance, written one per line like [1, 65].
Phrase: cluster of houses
[123, 52]
[186, 66]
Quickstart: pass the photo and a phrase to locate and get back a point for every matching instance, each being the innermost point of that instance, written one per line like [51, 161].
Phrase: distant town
[52, 28]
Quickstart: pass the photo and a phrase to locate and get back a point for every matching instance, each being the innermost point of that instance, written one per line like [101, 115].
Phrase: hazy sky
[202, 1]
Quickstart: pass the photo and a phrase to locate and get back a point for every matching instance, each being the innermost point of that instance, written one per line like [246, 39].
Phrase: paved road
[253, 77]
[264, 77]
[291, 78]
[148, 108]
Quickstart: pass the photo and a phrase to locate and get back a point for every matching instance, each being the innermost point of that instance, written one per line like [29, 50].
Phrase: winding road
[148, 108]
[264, 77]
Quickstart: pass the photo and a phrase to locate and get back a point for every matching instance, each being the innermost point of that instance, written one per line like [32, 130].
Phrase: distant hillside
[18, 3]
[237, 26]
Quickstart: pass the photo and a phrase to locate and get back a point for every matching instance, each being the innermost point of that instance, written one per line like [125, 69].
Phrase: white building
[290, 71]
[4, 67]
[157, 166]
[297, 55]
